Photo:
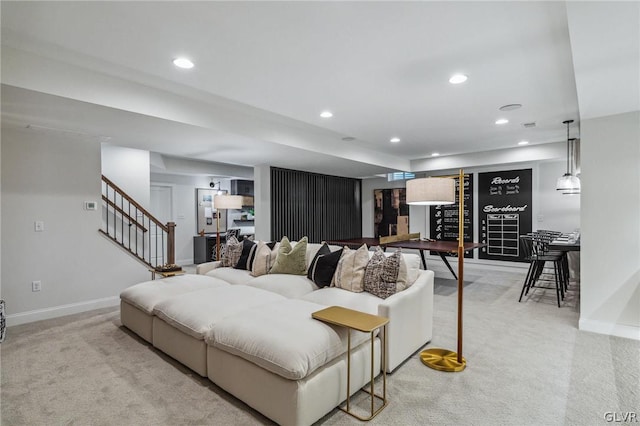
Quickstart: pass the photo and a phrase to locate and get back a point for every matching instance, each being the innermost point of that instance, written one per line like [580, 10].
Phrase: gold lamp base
[442, 360]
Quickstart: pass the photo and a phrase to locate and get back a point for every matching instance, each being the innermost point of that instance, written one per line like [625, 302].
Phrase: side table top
[345, 317]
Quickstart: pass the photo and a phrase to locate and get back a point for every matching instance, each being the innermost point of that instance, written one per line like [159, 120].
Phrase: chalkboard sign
[504, 203]
[444, 218]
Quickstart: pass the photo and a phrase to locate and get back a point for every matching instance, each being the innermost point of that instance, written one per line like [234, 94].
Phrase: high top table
[441, 247]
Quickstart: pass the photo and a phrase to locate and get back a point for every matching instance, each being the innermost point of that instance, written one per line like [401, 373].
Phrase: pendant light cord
[568, 122]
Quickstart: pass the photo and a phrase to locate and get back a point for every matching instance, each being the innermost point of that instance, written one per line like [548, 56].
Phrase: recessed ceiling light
[326, 114]
[435, 154]
[502, 121]
[183, 63]
[510, 107]
[523, 143]
[458, 78]
[394, 140]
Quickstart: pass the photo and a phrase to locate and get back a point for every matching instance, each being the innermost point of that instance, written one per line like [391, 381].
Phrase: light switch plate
[38, 226]
[90, 205]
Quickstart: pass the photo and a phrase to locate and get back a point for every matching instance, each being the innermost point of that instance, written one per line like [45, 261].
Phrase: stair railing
[136, 230]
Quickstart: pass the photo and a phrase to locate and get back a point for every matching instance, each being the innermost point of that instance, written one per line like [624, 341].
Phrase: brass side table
[360, 321]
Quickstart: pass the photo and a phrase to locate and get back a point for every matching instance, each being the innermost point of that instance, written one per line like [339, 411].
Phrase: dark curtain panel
[320, 207]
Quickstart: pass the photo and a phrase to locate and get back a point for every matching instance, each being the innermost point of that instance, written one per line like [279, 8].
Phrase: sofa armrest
[410, 314]
[203, 268]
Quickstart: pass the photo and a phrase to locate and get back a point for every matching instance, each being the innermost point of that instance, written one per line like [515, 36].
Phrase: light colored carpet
[527, 365]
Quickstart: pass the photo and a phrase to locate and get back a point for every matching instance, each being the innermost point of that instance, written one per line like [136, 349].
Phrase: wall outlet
[36, 285]
[38, 226]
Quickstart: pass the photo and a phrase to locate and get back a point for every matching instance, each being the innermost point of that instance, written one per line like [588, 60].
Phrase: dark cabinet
[242, 187]
[204, 248]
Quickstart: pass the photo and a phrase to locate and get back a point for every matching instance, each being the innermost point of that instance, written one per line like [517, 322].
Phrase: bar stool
[533, 247]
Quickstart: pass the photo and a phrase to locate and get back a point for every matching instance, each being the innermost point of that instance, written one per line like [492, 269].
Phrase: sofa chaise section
[181, 324]
[137, 302]
[285, 364]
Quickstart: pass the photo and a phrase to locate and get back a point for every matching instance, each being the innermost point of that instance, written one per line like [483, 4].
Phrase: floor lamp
[224, 202]
[436, 191]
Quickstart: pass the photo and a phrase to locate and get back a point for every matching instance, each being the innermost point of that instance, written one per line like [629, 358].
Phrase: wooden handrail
[125, 214]
[135, 204]
[148, 247]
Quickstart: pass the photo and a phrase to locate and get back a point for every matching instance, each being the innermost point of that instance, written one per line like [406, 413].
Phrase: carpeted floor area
[527, 365]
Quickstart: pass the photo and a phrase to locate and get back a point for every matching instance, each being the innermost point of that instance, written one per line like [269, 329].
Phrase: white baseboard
[60, 311]
[611, 329]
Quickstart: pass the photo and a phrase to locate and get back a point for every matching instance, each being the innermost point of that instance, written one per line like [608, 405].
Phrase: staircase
[132, 227]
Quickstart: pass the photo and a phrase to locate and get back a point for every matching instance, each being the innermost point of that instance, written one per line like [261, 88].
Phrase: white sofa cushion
[333, 296]
[196, 312]
[145, 296]
[412, 263]
[287, 285]
[231, 275]
[281, 337]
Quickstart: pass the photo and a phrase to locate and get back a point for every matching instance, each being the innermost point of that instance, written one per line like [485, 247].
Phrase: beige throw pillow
[264, 259]
[291, 260]
[350, 271]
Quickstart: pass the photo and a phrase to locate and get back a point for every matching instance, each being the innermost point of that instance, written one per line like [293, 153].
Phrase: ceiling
[265, 70]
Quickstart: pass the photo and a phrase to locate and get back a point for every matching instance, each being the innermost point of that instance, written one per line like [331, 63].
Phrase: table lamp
[224, 202]
[435, 191]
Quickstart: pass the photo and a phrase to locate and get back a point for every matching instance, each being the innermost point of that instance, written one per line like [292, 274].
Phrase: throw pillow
[381, 274]
[324, 249]
[265, 256]
[350, 271]
[291, 260]
[232, 252]
[248, 254]
[323, 267]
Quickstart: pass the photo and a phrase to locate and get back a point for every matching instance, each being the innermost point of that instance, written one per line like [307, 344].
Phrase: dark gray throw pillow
[323, 267]
[321, 252]
[248, 253]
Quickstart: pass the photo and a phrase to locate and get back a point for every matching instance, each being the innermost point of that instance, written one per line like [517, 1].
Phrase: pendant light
[568, 183]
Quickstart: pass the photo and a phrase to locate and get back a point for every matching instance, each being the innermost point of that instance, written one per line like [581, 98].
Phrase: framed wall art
[206, 211]
[391, 212]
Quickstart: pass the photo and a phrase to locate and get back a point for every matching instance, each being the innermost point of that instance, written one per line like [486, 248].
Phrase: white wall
[262, 201]
[129, 169]
[554, 210]
[47, 177]
[610, 243]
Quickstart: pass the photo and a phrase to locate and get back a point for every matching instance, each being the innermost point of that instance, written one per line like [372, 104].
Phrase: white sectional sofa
[255, 338]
